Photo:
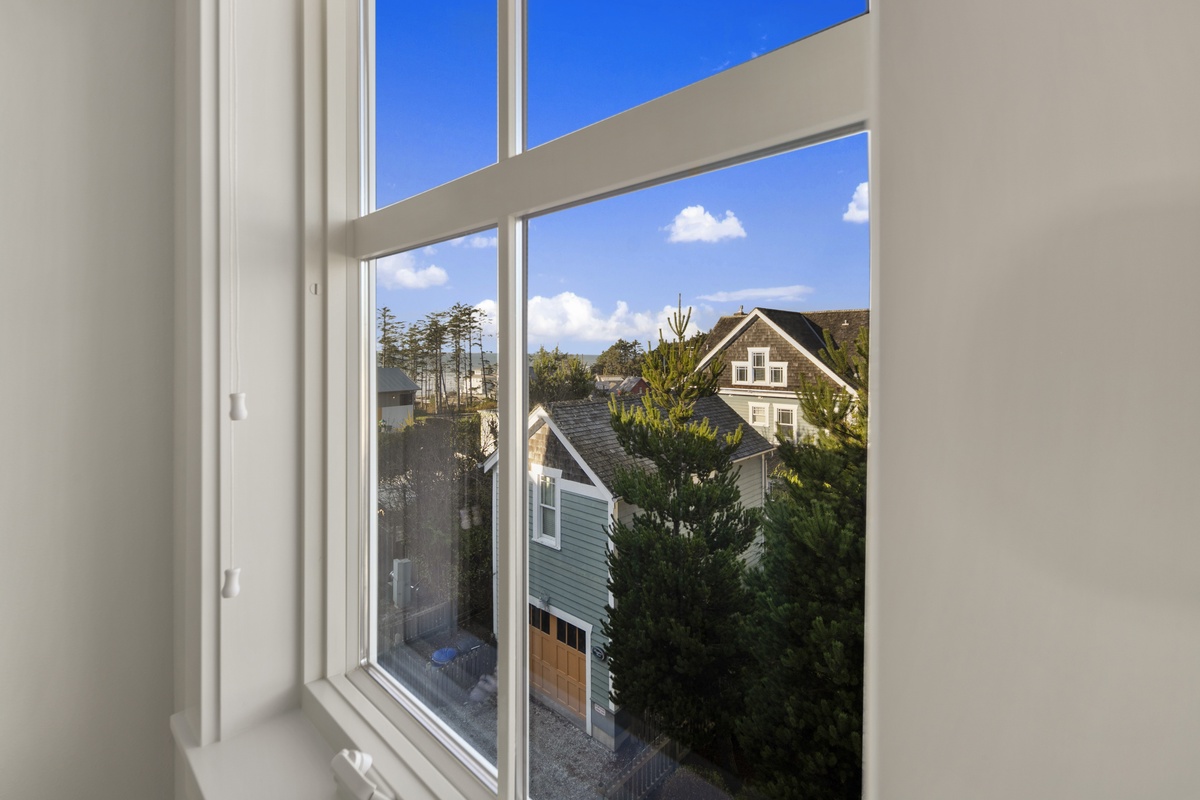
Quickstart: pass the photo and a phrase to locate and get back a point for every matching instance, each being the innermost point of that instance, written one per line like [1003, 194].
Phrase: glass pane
[589, 61]
[435, 94]
[678, 674]
[436, 356]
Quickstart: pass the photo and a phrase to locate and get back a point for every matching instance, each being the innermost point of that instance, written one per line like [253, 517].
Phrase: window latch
[349, 773]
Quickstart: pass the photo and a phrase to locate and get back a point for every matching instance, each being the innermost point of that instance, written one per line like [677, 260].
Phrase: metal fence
[428, 621]
[646, 772]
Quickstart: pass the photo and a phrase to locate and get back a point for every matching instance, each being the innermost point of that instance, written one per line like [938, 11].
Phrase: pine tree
[558, 376]
[621, 358]
[390, 331]
[675, 571]
[803, 713]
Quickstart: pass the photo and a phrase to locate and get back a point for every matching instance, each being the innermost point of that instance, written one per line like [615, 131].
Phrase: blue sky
[785, 232]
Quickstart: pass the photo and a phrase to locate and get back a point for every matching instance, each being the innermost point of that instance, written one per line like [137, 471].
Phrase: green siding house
[573, 458]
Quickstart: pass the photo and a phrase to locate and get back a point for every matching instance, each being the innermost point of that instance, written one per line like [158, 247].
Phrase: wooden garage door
[558, 661]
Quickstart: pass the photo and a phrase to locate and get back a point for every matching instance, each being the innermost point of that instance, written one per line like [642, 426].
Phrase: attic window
[759, 369]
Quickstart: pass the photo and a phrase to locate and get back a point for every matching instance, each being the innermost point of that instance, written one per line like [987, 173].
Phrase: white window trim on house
[762, 408]
[808, 92]
[743, 371]
[538, 473]
[794, 411]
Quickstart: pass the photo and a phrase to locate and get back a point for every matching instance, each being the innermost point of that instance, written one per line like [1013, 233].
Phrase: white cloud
[796, 292]
[694, 224]
[488, 307]
[857, 210]
[477, 242]
[567, 316]
[401, 272]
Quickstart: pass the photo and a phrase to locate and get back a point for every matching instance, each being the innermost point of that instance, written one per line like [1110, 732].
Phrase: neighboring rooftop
[394, 379]
[805, 328]
[588, 426]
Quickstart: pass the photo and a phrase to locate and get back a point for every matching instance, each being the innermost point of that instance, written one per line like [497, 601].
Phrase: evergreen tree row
[438, 353]
[760, 673]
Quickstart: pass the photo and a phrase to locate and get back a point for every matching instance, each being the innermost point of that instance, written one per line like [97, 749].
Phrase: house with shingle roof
[574, 457]
[768, 352]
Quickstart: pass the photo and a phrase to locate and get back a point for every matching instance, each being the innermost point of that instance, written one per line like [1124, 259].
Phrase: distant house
[395, 392]
[766, 353]
[573, 459]
[632, 386]
[606, 383]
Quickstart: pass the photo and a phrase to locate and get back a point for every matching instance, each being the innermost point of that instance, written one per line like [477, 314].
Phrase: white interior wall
[1036, 623]
[86, 329]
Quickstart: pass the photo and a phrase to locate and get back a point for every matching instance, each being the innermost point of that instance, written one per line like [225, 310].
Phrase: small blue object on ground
[443, 656]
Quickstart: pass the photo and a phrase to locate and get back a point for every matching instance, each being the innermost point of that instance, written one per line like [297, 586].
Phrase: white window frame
[537, 473]
[764, 409]
[743, 371]
[811, 91]
[794, 411]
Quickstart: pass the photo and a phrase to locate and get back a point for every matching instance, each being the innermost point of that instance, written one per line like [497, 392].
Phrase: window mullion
[511, 77]
[512, 756]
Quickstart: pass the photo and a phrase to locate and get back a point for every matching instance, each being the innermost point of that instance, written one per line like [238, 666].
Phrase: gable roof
[393, 379]
[588, 428]
[804, 329]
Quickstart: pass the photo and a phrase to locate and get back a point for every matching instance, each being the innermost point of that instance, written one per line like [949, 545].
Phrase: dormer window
[759, 369]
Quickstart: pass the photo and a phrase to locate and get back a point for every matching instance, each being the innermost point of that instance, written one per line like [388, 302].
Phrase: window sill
[282, 757]
[353, 711]
[289, 755]
[551, 543]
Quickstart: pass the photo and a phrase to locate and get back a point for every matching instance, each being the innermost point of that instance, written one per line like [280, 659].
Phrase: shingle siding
[547, 450]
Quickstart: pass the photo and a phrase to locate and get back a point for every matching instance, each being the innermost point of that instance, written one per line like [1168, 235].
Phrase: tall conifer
[802, 724]
[675, 570]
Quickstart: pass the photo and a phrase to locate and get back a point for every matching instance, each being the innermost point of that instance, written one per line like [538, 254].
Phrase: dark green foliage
[831, 409]
[803, 715]
[675, 572]
[558, 376]
[621, 358]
